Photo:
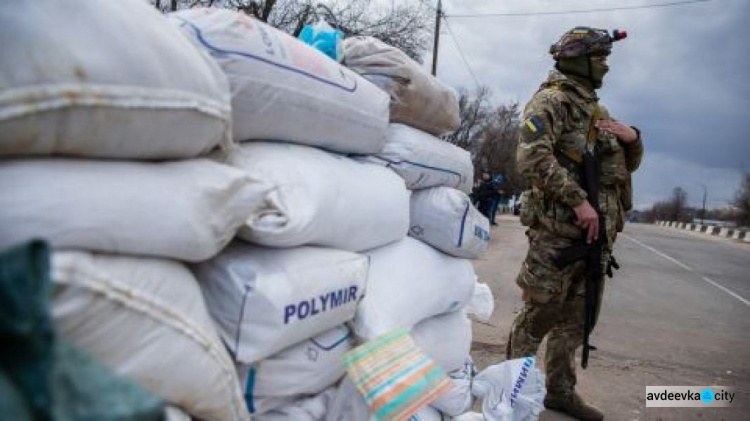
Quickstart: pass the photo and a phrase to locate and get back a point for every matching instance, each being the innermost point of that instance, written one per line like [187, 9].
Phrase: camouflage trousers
[554, 306]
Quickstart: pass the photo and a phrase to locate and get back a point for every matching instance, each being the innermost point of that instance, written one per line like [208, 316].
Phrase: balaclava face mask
[591, 71]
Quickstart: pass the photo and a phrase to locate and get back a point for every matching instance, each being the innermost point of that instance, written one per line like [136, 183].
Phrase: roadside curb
[726, 232]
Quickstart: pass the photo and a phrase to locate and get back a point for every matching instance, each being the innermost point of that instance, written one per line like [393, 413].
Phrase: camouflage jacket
[556, 120]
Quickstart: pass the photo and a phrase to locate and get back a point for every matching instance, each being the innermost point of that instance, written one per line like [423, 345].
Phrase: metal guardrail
[733, 233]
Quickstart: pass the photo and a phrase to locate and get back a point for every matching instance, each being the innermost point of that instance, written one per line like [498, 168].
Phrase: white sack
[482, 304]
[284, 89]
[458, 399]
[408, 282]
[172, 413]
[322, 198]
[107, 79]
[347, 403]
[186, 210]
[428, 413]
[313, 408]
[145, 318]
[446, 338]
[511, 391]
[444, 218]
[417, 98]
[306, 368]
[424, 160]
[469, 416]
[264, 300]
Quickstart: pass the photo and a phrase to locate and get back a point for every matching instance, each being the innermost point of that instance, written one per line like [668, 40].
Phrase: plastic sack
[458, 399]
[324, 38]
[428, 413]
[417, 98]
[304, 369]
[186, 210]
[482, 304]
[265, 300]
[511, 391]
[72, 85]
[408, 282]
[469, 416]
[446, 338]
[172, 413]
[394, 375]
[283, 89]
[321, 198]
[347, 403]
[444, 218]
[312, 408]
[146, 319]
[424, 160]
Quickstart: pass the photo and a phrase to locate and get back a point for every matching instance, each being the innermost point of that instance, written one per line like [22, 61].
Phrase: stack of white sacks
[135, 151]
[327, 264]
[103, 137]
[425, 281]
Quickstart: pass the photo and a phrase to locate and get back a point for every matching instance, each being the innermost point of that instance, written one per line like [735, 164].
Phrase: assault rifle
[591, 253]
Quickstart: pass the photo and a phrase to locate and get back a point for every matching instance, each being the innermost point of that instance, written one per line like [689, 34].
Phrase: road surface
[677, 314]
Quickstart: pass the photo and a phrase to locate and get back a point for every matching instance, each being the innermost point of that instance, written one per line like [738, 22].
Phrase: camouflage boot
[574, 406]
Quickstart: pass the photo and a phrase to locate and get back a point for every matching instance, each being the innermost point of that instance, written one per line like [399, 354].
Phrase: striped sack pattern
[395, 376]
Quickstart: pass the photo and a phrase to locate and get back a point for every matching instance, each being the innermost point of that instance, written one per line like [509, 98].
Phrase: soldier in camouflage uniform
[561, 122]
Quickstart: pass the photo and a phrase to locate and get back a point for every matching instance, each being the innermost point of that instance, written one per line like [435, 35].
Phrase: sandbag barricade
[185, 210]
[418, 99]
[302, 370]
[146, 319]
[408, 282]
[446, 338]
[283, 89]
[321, 198]
[265, 300]
[458, 399]
[445, 218]
[423, 160]
[70, 84]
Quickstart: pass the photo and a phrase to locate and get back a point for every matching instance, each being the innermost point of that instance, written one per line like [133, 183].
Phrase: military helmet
[583, 41]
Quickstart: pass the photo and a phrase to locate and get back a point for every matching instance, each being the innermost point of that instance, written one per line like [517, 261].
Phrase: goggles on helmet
[584, 41]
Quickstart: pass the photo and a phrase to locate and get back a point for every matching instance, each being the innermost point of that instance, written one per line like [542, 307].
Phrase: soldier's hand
[623, 132]
[588, 220]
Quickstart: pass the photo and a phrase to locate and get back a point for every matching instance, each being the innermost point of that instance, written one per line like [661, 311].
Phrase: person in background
[487, 196]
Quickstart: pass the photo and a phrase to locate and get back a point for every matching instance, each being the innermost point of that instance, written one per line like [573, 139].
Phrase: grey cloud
[681, 76]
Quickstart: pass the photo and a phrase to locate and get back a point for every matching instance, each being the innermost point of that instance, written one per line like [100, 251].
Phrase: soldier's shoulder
[548, 98]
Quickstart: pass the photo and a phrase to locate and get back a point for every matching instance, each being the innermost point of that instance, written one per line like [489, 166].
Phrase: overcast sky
[681, 76]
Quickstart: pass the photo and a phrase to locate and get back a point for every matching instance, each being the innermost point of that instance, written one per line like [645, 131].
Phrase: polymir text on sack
[321, 303]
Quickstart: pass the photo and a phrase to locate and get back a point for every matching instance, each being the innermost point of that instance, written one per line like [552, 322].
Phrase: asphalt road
[677, 314]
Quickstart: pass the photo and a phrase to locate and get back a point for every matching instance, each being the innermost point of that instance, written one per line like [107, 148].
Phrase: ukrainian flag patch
[534, 125]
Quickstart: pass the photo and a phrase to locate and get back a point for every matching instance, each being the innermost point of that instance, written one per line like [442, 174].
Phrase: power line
[461, 52]
[570, 12]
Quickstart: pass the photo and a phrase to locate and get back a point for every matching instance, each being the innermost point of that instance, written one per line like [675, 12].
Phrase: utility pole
[438, 15]
[703, 213]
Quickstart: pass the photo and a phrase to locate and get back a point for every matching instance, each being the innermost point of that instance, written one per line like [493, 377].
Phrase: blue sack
[324, 38]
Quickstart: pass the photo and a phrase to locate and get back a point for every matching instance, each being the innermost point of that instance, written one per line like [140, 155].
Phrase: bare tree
[678, 205]
[474, 111]
[490, 134]
[404, 24]
[742, 201]
[497, 153]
